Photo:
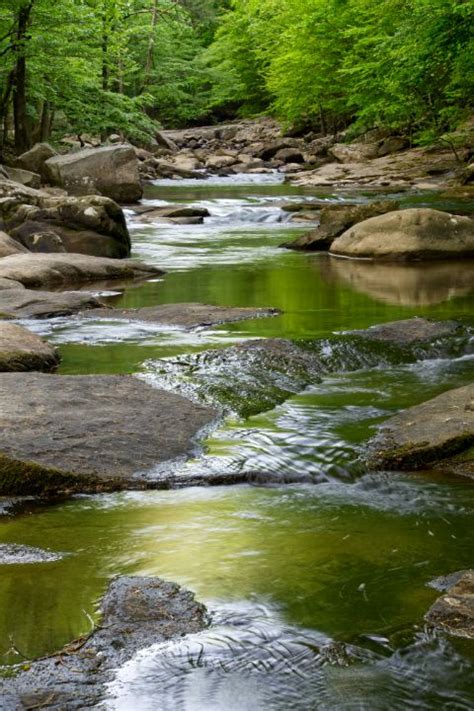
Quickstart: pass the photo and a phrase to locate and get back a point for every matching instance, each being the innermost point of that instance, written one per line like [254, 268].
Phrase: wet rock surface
[415, 233]
[136, 613]
[250, 377]
[86, 433]
[21, 350]
[185, 315]
[409, 331]
[334, 220]
[28, 303]
[15, 554]
[38, 270]
[453, 612]
[438, 433]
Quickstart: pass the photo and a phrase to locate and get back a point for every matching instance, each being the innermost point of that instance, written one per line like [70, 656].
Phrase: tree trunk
[20, 119]
[151, 45]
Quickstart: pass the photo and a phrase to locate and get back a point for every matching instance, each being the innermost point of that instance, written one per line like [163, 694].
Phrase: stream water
[317, 577]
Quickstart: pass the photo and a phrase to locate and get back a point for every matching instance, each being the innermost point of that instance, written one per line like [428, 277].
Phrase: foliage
[403, 64]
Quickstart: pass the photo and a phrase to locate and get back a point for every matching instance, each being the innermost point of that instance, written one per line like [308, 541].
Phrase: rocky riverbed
[253, 374]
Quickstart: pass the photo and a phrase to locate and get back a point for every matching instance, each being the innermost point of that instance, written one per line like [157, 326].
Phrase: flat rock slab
[136, 613]
[185, 315]
[22, 350]
[439, 432]
[28, 303]
[453, 612]
[86, 433]
[38, 270]
[408, 331]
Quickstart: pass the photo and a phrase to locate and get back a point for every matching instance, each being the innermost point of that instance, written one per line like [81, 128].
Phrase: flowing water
[317, 576]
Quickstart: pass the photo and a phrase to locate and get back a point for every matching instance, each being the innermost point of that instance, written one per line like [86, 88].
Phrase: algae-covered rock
[438, 433]
[453, 612]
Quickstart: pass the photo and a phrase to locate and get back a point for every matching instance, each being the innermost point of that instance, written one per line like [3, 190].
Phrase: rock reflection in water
[421, 284]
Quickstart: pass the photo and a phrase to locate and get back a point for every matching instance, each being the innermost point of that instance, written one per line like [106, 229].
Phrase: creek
[318, 575]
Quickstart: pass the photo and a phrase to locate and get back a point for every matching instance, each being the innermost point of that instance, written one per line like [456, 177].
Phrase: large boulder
[88, 433]
[22, 350]
[93, 225]
[112, 170]
[9, 246]
[334, 220]
[34, 160]
[415, 233]
[354, 152]
[39, 270]
[25, 177]
[437, 434]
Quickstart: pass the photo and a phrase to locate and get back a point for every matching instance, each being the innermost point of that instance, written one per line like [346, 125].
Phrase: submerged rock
[437, 434]
[22, 350]
[453, 612]
[250, 377]
[14, 554]
[38, 270]
[136, 613]
[86, 433]
[415, 233]
[334, 220]
[28, 303]
[185, 315]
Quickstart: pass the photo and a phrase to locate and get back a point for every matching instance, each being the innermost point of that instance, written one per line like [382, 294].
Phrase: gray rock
[34, 160]
[136, 613]
[185, 315]
[92, 225]
[412, 330]
[109, 432]
[45, 242]
[10, 246]
[415, 233]
[354, 152]
[25, 177]
[29, 303]
[334, 220]
[39, 270]
[9, 284]
[289, 155]
[22, 350]
[113, 170]
[453, 612]
[14, 554]
[438, 433]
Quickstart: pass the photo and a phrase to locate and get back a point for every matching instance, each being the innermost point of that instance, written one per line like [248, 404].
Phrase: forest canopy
[102, 66]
